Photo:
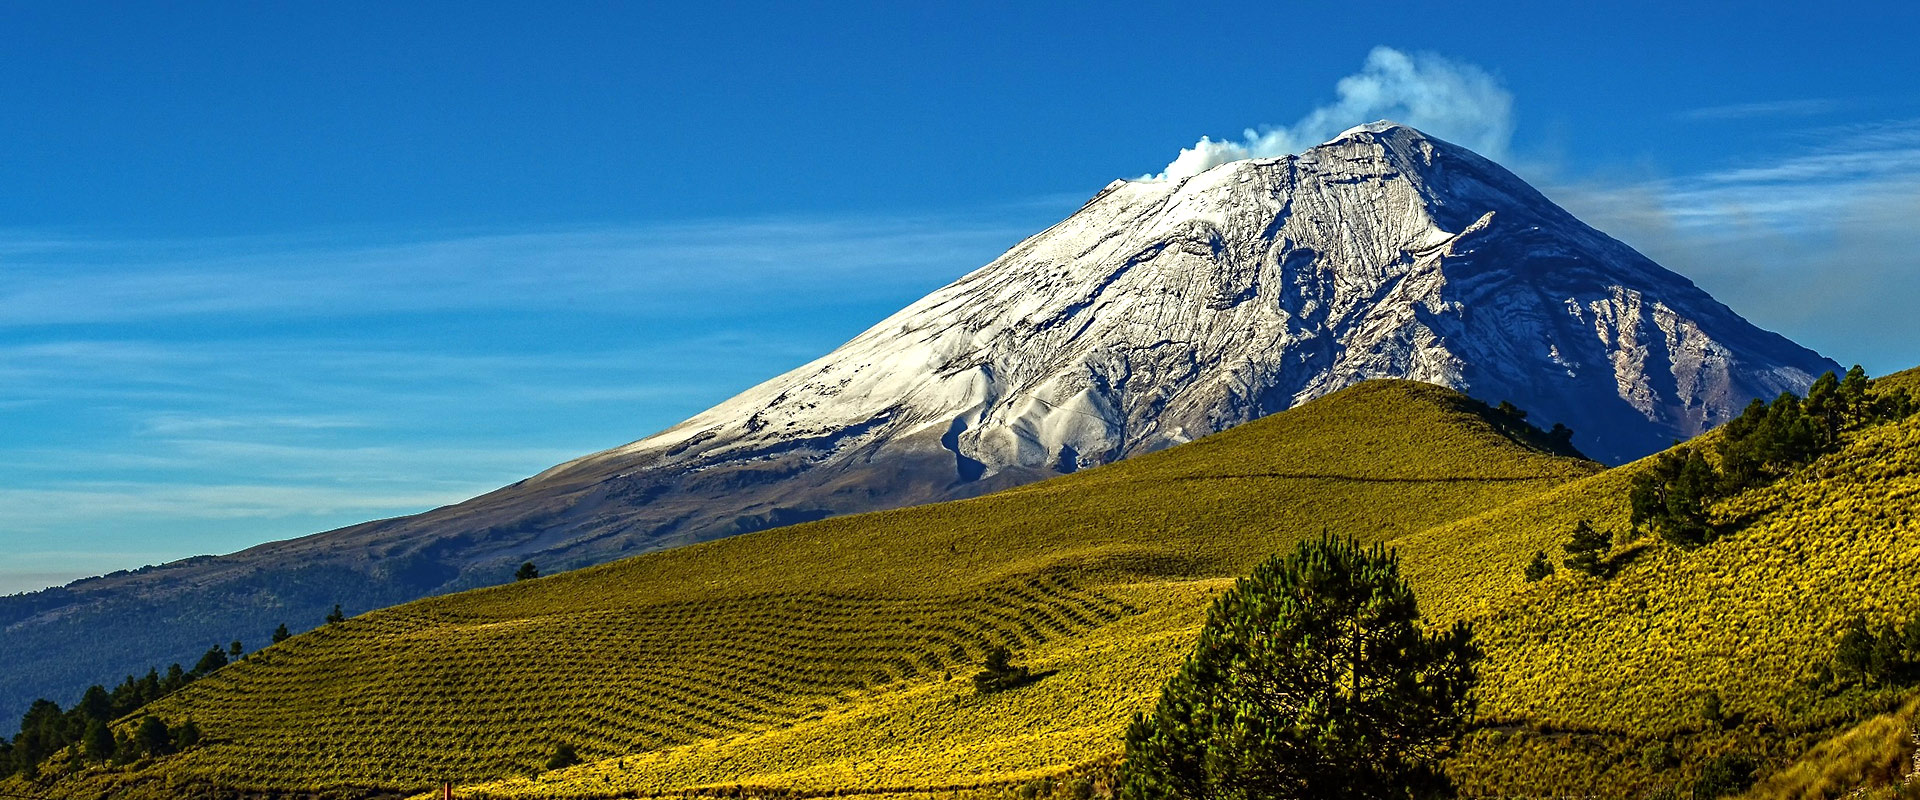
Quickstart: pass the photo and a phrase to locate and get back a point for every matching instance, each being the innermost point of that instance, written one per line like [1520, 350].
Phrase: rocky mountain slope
[1158, 313]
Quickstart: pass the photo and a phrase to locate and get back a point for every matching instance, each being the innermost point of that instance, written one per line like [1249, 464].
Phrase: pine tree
[1828, 410]
[1560, 438]
[1312, 678]
[1539, 568]
[235, 650]
[526, 572]
[176, 678]
[998, 672]
[1672, 498]
[1854, 404]
[96, 703]
[98, 743]
[281, 634]
[187, 735]
[1587, 550]
[152, 737]
[335, 615]
[215, 658]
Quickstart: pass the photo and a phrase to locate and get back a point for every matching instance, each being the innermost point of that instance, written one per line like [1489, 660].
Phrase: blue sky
[270, 269]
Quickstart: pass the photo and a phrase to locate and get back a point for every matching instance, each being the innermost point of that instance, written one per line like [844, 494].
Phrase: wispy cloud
[85, 502]
[1767, 108]
[1812, 242]
[1843, 172]
[54, 280]
[1449, 99]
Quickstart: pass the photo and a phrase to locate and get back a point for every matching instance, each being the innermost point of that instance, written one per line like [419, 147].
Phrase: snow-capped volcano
[1160, 312]
[1166, 310]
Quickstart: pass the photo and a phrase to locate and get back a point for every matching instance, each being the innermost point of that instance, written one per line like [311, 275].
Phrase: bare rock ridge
[1158, 313]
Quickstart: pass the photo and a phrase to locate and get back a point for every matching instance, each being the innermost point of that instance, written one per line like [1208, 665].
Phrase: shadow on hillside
[1625, 556]
[1010, 683]
[1031, 679]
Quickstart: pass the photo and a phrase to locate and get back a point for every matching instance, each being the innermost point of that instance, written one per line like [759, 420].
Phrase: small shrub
[1713, 710]
[999, 673]
[1727, 774]
[564, 755]
[1539, 568]
[1659, 757]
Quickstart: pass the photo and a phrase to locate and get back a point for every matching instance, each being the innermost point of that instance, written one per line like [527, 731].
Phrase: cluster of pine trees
[1885, 656]
[46, 729]
[1766, 442]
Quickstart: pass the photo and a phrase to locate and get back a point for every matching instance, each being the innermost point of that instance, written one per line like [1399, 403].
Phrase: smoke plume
[1457, 102]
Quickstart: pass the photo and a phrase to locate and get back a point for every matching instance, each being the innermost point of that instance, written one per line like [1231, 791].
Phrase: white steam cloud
[1457, 102]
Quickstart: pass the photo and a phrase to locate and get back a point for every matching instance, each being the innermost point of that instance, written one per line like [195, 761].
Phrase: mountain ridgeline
[1159, 313]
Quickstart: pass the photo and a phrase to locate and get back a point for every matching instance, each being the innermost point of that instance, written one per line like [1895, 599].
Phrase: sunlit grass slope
[1583, 674]
[1593, 686]
[834, 655]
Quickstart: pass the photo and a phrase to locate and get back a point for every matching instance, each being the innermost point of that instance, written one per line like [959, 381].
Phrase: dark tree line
[46, 729]
[1768, 441]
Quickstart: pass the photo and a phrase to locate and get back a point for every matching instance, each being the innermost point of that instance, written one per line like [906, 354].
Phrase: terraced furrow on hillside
[609, 682]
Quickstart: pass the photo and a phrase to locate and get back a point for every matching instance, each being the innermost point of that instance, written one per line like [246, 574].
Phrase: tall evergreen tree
[214, 658]
[1587, 550]
[526, 572]
[1671, 499]
[1312, 678]
[335, 615]
[152, 737]
[176, 678]
[281, 634]
[98, 744]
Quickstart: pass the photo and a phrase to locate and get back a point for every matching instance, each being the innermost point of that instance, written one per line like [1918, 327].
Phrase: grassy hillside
[832, 658]
[1584, 674]
[835, 654]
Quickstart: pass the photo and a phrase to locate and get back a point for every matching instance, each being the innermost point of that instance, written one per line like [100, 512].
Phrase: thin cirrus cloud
[1459, 102]
[1805, 107]
[1812, 242]
[55, 280]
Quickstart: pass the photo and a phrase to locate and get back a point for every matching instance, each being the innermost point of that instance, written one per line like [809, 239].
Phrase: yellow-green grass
[932, 733]
[835, 654]
[1590, 671]
[1876, 754]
